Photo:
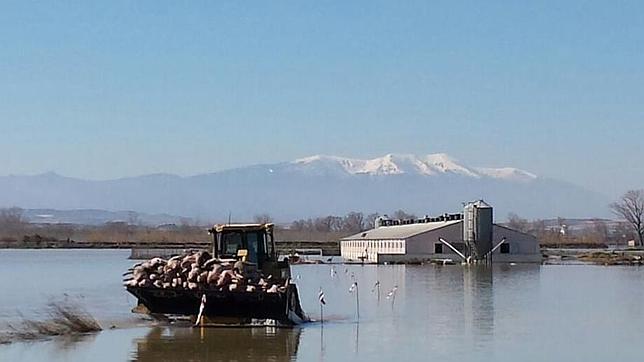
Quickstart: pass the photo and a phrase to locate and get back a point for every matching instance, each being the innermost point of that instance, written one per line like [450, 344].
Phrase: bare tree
[402, 215]
[370, 221]
[12, 221]
[328, 223]
[184, 226]
[538, 227]
[132, 218]
[600, 230]
[631, 207]
[353, 222]
[116, 231]
[302, 225]
[622, 232]
[518, 223]
[263, 218]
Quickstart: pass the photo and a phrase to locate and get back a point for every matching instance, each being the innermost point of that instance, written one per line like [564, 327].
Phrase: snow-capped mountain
[396, 164]
[314, 186]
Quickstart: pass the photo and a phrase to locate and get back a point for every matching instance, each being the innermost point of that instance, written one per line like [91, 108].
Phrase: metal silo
[477, 228]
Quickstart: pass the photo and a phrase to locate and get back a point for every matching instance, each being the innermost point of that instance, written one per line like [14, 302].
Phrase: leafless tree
[328, 223]
[402, 215]
[370, 221]
[116, 231]
[12, 221]
[600, 230]
[622, 232]
[631, 207]
[518, 223]
[537, 227]
[353, 222]
[263, 218]
[132, 218]
[302, 225]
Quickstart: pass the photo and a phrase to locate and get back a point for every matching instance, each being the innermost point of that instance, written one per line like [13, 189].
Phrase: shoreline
[552, 255]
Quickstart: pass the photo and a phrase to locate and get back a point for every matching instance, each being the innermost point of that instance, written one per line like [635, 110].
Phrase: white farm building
[471, 234]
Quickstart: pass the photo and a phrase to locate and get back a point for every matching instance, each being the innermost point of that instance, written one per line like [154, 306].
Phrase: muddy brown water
[446, 313]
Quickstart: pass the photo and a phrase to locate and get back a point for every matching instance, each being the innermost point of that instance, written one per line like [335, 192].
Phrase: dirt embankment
[593, 256]
[612, 258]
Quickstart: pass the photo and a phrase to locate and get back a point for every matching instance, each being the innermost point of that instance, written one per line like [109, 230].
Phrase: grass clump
[65, 319]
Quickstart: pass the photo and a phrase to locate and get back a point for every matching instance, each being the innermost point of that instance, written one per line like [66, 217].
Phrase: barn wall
[520, 243]
[424, 243]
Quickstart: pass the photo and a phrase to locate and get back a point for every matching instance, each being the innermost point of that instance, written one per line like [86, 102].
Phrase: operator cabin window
[438, 248]
[256, 244]
[505, 248]
[232, 242]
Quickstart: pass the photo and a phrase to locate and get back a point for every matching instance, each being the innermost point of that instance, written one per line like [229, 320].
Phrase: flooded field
[449, 313]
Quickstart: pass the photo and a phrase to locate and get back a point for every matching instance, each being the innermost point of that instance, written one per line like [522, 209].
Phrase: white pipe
[495, 247]
[453, 248]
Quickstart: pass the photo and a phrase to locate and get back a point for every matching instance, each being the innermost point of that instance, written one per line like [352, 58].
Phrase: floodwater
[446, 313]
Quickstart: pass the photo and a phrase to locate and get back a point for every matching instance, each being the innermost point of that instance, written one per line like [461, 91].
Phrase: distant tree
[12, 221]
[370, 220]
[263, 218]
[600, 230]
[622, 232]
[538, 227]
[518, 223]
[184, 225]
[328, 223]
[116, 231]
[302, 225]
[631, 208]
[402, 215]
[132, 218]
[353, 222]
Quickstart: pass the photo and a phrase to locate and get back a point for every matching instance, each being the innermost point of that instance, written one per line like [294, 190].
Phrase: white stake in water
[322, 303]
[376, 287]
[202, 306]
[354, 288]
[392, 295]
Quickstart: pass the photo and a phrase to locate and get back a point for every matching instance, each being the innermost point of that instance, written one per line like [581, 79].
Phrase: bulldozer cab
[251, 243]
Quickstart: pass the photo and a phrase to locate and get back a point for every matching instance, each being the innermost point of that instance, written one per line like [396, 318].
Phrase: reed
[65, 319]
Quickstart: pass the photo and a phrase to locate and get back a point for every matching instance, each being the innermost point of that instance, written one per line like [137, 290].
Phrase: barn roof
[400, 231]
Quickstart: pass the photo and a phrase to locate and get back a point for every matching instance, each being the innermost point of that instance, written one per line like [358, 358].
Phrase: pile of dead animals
[197, 271]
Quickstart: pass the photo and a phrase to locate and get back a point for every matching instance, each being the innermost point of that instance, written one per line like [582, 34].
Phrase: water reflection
[478, 302]
[67, 344]
[218, 344]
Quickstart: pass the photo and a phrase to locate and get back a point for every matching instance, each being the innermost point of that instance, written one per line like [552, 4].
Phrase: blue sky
[110, 89]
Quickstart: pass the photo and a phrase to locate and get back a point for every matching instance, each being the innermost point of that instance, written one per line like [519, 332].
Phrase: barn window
[505, 248]
[438, 248]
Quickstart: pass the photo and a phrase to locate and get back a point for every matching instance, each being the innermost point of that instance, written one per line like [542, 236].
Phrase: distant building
[472, 234]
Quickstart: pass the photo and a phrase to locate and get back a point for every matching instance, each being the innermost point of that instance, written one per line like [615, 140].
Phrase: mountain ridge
[313, 186]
